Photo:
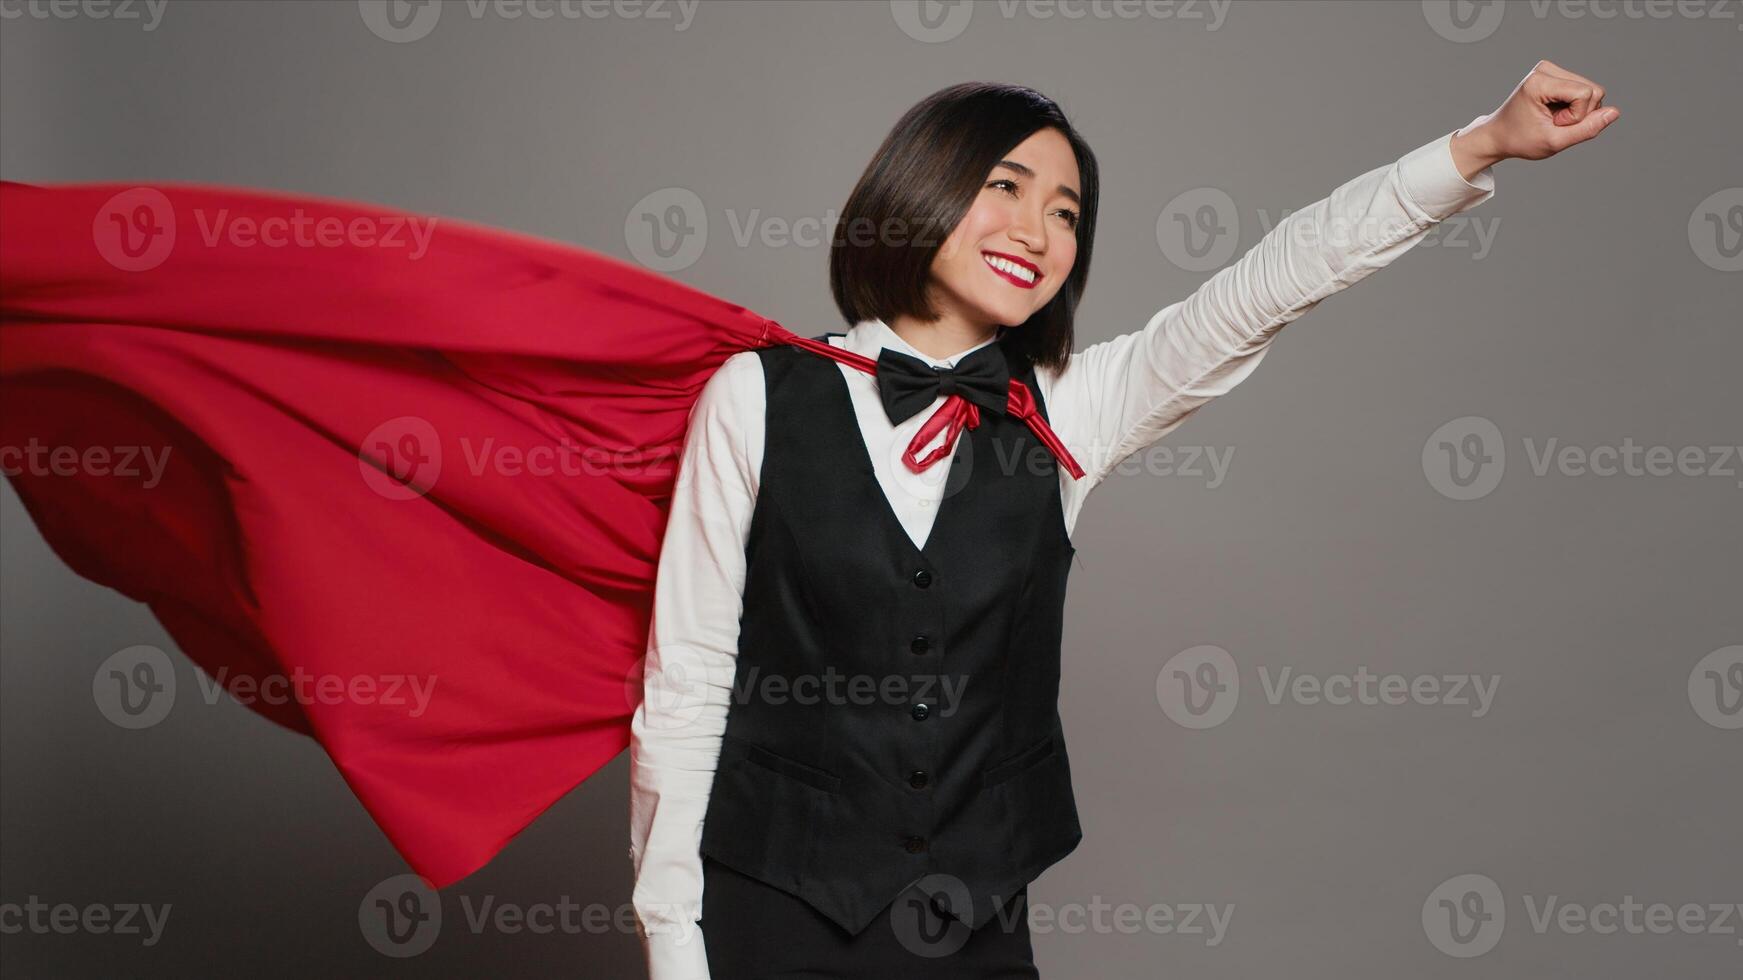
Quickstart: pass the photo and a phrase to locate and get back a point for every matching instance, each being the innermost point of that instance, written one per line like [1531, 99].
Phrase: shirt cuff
[676, 955]
[1432, 180]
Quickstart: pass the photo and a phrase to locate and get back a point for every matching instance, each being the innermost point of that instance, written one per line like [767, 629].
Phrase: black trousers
[754, 931]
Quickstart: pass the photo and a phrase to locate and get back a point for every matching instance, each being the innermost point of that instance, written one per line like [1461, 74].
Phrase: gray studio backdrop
[1486, 642]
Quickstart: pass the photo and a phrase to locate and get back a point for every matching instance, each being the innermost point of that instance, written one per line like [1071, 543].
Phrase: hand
[1550, 110]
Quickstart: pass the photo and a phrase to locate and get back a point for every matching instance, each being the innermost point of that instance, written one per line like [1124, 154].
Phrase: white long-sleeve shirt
[1113, 399]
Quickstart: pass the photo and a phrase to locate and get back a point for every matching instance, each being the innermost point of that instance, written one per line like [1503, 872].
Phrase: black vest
[895, 709]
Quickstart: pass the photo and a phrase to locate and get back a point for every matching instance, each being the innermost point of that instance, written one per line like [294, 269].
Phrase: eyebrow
[1026, 172]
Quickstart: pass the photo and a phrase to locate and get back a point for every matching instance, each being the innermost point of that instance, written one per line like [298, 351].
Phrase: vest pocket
[1023, 760]
[763, 813]
[804, 772]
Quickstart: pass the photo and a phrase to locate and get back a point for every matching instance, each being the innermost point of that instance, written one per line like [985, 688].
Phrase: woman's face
[1025, 216]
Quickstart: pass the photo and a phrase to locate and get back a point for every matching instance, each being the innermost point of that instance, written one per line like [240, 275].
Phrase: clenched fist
[1550, 110]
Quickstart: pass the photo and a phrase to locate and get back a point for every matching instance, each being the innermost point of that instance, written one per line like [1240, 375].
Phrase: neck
[945, 337]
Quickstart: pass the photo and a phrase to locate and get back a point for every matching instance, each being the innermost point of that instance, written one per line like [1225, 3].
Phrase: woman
[782, 826]
[380, 469]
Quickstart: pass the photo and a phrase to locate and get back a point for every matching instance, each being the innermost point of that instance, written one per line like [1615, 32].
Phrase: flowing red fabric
[395, 452]
[384, 466]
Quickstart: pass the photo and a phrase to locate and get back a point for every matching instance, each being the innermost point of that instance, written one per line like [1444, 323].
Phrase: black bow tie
[907, 384]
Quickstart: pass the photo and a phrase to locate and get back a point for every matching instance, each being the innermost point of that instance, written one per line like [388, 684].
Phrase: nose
[1030, 230]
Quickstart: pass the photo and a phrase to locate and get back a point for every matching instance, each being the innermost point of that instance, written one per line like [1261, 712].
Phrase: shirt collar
[869, 336]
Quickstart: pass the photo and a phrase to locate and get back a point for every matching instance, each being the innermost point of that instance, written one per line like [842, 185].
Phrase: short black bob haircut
[921, 182]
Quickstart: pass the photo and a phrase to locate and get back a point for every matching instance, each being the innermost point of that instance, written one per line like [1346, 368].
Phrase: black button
[920, 711]
[922, 578]
[914, 845]
[920, 643]
[919, 778]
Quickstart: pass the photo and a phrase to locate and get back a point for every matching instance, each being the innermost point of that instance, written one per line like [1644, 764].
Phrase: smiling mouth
[1013, 270]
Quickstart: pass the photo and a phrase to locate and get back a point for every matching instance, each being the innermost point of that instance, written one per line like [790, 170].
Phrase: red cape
[452, 468]
[395, 453]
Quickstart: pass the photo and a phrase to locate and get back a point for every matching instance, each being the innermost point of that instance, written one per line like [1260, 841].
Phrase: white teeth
[1010, 267]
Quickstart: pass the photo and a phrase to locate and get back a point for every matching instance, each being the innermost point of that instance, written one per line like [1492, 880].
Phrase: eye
[1010, 186]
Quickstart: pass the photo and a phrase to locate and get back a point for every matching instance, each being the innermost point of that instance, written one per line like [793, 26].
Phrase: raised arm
[692, 653]
[1119, 396]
